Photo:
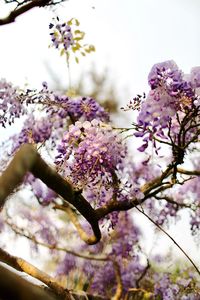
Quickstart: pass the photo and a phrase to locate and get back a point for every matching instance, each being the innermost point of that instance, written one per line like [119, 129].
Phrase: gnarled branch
[27, 160]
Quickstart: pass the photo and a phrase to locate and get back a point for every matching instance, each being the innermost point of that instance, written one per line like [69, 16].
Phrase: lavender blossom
[66, 265]
[10, 104]
[33, 131]
[61, 36]
[97, 150]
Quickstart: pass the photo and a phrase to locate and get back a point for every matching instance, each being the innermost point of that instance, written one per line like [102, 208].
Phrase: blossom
[88, 109]
[95, 151]
[168, 75]
[42, 192]
[83, 108]
[173, 94]
[33, 131]
[66, 265]
[10, 104]
[61, 36]
[195, 77]
[125, 237]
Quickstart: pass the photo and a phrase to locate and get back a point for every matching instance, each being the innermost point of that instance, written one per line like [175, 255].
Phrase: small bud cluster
[61, 36]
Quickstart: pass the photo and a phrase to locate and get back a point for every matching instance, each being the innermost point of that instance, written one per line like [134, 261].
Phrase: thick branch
[13, 286]
[28, 160]
[90, 240]
[22, 9]
[119, 288]
[23, 266]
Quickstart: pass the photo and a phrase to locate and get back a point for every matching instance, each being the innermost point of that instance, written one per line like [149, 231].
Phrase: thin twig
[171, 238]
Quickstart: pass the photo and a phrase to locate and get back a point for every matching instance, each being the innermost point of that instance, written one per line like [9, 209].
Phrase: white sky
[129, 35]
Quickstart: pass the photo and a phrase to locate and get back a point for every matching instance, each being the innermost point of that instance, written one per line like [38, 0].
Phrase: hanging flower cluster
[61, 36]
[67, 40]
[172, 96]
[90, 151]
[10, 104]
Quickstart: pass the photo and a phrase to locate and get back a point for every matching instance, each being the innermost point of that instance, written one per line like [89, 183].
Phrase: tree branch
[187, 172]
[119, 289]
[28, 160]
[23, 266]
[13, 286]
[90, 240]
[171, 238]
[22, 9]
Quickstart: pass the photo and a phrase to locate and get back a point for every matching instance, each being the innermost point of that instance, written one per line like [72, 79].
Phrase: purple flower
[42, 192]
[89, 109]
[195, 77]
[66, 265]
[95, 151]
[61, 36]
[10, 103]
[33, 131]
[165, 73]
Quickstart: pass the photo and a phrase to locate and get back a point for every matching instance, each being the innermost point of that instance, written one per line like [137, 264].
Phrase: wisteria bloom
[33, 131]
[10, 104]
[90, 151]
[82, 108]
[61, 36]
[172, 95]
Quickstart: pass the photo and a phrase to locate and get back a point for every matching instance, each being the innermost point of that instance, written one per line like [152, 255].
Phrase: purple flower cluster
[61, 36]
[126, 235]
[122, 243]
[168, 76]
[10, 104]
[83, 108]
[104, 280]
[39, 224]
[164, 288]
[41, 191]
[171, 92]
[90, 151]
[87, 108]
[33, 131]
[68, 263]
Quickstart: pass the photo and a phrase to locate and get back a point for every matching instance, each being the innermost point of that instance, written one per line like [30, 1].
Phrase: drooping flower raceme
[61, 36]
[81, 108]
[89, 152]
[33, 131]
[172, 96]
[168, 87]
[69, 40]
[10, 104]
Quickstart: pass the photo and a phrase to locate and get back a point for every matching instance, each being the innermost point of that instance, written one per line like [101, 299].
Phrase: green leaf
[62, 52]
[77, 31]
[77, 23]
[76, 59]
[73, 21]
